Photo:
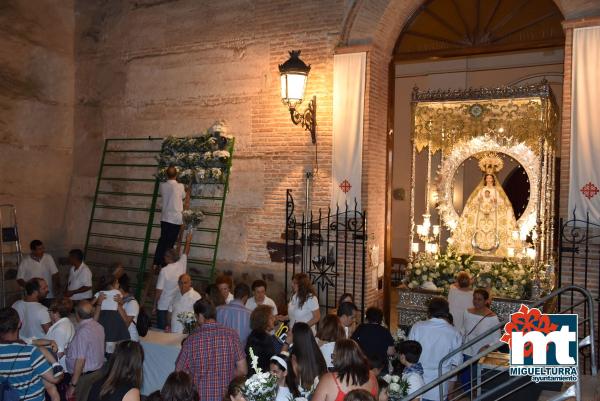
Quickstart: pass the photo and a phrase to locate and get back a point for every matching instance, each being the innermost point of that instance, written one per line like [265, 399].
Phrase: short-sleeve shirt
[180, 304]
[251, 304]
[109, 302]
[172, 194]
[132, 309]
[44, 268]
[82, 277]
[210, 355]
[304, 313]
[33, 315]
[62, 333]
[24, 365]
[374, 339]
[167, 282]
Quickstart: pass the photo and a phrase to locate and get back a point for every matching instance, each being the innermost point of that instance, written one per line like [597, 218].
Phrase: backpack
[143, 322]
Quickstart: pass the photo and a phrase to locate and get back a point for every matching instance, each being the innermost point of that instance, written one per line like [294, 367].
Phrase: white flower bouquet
[398, 388]
[262, 386]
[187, 320]
[192, 218]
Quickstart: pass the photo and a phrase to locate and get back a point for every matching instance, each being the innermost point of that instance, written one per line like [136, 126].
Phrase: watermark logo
[543, 346]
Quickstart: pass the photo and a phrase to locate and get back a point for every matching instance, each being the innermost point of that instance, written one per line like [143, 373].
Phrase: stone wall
[37, 70]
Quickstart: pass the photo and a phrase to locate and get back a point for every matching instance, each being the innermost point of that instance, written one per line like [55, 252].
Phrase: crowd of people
[84, 345]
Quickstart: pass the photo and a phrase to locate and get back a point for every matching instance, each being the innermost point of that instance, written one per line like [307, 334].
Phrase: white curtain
[584, 184]
[348, 111]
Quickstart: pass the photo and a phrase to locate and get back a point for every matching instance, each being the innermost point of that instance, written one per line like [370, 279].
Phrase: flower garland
[507, 279]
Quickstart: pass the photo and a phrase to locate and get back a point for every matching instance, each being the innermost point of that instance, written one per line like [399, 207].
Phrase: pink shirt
[88, 344]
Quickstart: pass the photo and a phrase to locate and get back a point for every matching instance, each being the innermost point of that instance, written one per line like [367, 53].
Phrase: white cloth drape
[584, 182]
[348, 111]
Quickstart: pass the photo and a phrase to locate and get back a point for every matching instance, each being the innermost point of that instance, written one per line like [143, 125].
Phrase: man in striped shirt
[24, 365]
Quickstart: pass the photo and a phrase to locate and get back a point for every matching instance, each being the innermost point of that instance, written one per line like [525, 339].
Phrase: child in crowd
[377, 363]
[384, 392]
[234, 390]
[279, 368]
[359, 395]
[409, 354]
[108, 315]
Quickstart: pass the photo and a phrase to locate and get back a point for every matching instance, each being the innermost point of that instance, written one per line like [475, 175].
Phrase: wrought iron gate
[579, 264]
[331, 248]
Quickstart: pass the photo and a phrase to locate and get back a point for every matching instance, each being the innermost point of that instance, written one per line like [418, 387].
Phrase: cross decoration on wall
[589, 190]
[345, 186]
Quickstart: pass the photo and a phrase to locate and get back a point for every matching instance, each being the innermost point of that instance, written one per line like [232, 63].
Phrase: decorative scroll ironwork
[578, 261]
[331, 247]
[510, 115]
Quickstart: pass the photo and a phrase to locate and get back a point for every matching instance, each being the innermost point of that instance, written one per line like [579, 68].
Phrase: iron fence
[330, 246]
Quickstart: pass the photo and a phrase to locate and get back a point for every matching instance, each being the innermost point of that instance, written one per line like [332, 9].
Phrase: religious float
[488, 208]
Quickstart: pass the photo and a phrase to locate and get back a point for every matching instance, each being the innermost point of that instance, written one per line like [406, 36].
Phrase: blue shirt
[236, 316]
[24, 365]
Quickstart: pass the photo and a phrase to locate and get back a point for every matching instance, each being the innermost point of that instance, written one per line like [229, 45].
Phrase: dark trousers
[161, 319]
[168, 236]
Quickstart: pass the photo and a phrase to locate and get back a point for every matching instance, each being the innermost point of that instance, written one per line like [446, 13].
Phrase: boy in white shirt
[259, 290]
[409, 354]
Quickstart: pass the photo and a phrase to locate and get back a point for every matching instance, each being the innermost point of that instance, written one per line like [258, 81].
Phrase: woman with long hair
[124, 378]
[306, 359]
[304, 305]
[179, 387]
[263, 343]
[330, 330]
[351, 373]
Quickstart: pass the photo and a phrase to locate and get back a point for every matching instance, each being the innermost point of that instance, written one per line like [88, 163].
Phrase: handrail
[453, 372]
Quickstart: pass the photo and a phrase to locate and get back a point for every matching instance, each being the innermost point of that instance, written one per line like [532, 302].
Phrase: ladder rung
[207, 197]
[212, 214]
[114, 236]
[127, 179]
[123, 193]
[203, 262]
[115, 251]
[137, 209]
[124, 223]
[133, 151]
[129, 165]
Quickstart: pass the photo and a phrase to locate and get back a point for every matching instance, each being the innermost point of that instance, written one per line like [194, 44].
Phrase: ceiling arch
[446, 28]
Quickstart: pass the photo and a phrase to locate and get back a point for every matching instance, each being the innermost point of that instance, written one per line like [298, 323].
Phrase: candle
[436, 230]
[531, 253]
[515, 235]
[414, 247]
[511, 252]
[434, 248]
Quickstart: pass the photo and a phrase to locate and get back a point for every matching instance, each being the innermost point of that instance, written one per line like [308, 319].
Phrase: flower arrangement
[262, 386]
[187, 320]
[192, 218]
[507, 279]
[201, 159]
[398, 388]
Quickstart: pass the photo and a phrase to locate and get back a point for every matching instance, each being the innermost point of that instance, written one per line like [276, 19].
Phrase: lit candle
[426, 221]
[511, 252]
[420, 229]
[414, 247]
[436, 230]
[515, 235]
[523, 236]
[531, 253]
[434, 248]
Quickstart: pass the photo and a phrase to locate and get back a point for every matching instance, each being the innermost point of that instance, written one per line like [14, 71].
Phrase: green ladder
[124, 224]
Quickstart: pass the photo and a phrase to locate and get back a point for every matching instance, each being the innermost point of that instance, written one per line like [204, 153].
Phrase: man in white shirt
[34, 316]
[183, 302]
[39, 264]
[167, 284]
[172, 194]
[438, 338]
[259, 290]
[80, 277]
[129, 308]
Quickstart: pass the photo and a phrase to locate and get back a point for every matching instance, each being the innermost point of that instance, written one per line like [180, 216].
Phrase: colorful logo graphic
[543, 346]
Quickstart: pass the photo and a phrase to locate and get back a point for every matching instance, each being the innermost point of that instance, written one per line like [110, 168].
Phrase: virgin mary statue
[487, 221]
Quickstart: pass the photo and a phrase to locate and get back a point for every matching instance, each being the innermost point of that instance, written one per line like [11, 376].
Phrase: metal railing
[511, 384]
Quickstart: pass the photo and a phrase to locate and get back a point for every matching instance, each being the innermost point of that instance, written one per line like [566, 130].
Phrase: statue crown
[490, 163]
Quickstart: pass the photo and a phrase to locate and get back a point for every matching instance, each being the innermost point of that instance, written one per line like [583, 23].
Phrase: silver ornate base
[412, 306]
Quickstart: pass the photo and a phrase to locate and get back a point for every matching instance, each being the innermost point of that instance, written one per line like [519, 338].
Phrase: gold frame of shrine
[519, 122]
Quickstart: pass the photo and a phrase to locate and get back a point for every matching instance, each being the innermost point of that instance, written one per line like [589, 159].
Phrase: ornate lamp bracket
[307, 119]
